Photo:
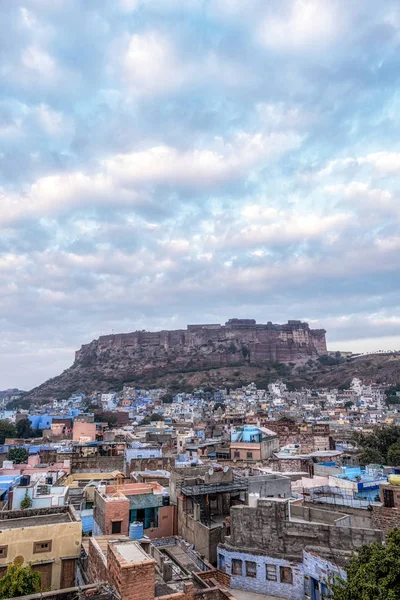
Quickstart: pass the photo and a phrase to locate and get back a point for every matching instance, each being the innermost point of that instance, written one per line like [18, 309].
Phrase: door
[315, 589]
[388, 498]
[67, 573]
[45, 569]
[116, 527]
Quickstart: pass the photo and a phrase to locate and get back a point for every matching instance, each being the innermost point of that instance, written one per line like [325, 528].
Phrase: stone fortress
[207, 345]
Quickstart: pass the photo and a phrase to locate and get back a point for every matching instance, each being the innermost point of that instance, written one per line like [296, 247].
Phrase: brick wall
[385, 518]
[214, 593]
[164, 463]
[106, 512]
[97, 564]
[215, 575]
[104, 464]
[187, 594]
[117, 510]
[133, 581]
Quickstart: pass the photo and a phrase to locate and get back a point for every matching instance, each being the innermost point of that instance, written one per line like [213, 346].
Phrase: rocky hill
[237, 351]
[215, 356]
[378, 368]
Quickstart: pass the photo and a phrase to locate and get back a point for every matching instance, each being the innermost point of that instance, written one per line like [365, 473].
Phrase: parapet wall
[267, 528]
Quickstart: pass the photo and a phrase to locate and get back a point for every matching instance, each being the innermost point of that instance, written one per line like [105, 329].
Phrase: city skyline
[165, 163]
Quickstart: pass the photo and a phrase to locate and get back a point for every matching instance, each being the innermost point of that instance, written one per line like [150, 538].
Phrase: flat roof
[131, 552]
[35, 521]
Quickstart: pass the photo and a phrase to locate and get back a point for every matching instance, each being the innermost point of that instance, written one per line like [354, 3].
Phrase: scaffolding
[203, 489]
[203, 495]
[332, 496]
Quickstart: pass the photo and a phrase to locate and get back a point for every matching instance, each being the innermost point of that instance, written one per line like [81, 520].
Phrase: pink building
[84, 432]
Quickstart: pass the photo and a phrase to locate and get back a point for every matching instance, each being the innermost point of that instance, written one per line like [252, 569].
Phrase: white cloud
[150, 64]
[308, 23]
[281, 115]
[360, 194]
[39, 61]
[53, 122]
[119, 178]
[201, 168]
[387, 163]
[267, 227]
[384, 163]
[50, 195]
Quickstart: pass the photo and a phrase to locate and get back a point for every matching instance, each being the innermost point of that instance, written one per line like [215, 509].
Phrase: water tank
[136, 530]
[394, 479]
[253, 499]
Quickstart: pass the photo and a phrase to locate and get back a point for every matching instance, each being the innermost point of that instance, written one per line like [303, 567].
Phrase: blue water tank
[136, 530]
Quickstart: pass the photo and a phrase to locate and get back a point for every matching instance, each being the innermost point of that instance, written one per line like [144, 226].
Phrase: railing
[203, 489]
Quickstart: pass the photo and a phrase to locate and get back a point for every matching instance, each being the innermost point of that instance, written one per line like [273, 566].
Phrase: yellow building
[47, 538]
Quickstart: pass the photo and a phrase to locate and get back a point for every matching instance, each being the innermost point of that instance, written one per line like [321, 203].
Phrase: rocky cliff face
[209, 345]
[143, 356]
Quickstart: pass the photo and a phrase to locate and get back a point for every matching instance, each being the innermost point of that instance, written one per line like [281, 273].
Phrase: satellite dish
[226, 468]
[211, 471]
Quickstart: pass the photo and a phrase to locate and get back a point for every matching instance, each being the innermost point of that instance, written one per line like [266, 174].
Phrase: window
[388, 498]
[249, 455]
[236, 566]
[251, 569]
[116, 527]
[270, 572]
[3, 551]
[236, 454]
[42, 546]
[221, 562]
[286, 575]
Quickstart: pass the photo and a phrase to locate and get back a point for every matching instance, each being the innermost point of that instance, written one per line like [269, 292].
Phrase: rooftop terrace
[15, 519]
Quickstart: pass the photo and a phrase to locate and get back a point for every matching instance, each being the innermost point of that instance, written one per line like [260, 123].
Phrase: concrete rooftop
[131, 552]
[35, 521]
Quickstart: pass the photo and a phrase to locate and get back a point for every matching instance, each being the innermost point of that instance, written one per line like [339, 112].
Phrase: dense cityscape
[211, 494]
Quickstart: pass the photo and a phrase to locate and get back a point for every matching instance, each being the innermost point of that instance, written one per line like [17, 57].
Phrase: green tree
[380, 440]
[24, 429]
[26, 502]
[106, 417]
[391, 391]
[156, 417]
[348, 404]
[20, 402]
[374, 574]
[18, 455]
[390, 400]
[371, 456]
[152, 418]
[7, 430]
[167, 399]
[20, 580]
[393, 455]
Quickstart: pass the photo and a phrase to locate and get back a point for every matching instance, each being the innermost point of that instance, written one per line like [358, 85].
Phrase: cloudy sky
[174, 161]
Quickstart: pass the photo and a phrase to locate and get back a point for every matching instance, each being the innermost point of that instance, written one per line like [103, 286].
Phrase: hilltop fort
[206, 344]
[145, 356]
